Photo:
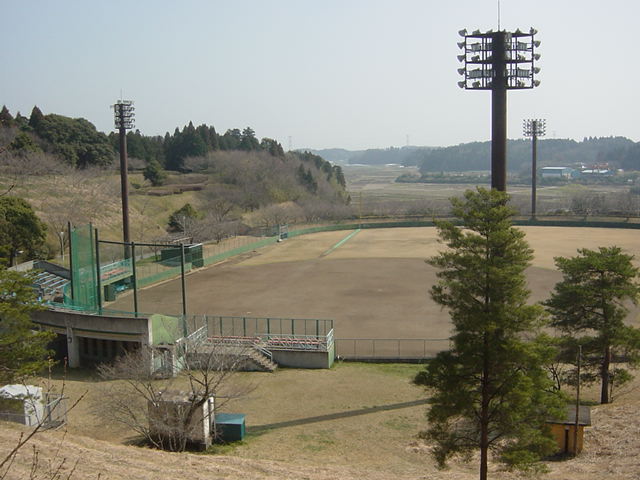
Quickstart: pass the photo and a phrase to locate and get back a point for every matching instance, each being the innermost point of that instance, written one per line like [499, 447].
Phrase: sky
[351, 74]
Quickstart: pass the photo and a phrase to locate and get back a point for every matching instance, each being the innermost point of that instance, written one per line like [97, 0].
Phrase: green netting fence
[82, 292]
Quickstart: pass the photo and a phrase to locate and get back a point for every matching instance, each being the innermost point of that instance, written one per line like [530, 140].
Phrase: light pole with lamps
[534, 128]
[498, 61]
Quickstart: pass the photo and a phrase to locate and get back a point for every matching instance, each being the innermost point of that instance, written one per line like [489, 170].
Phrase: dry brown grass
[367, 442]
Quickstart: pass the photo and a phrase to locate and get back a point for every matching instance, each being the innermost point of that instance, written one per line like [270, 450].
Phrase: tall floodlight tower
[124, 120]
[498, 61]
[534, 128]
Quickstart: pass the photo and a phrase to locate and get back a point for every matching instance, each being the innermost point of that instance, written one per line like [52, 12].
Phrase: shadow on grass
[260, 429]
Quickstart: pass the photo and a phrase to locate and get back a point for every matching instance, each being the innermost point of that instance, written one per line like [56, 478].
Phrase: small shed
[22, 404]
[563, 429]
[169, 413]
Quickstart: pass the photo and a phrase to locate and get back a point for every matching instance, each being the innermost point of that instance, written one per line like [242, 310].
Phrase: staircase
[261, 359]
[241, 353]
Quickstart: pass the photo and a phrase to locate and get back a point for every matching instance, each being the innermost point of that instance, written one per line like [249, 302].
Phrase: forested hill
[618, 152]
[77, 143]
[249, 172]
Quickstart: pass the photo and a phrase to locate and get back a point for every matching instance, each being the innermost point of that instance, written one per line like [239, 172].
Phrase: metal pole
[61, 237]
[70, 261]
[534, 159]
[98, 279]
[184, 288]
[577, 422]
[124, 182]
[134, 278]
[498, 114]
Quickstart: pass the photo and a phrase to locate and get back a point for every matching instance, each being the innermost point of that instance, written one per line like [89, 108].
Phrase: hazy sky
[323, 73]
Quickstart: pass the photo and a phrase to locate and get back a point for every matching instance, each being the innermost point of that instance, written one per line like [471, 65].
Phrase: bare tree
[278, 215]
[171, 412]
[316, 210]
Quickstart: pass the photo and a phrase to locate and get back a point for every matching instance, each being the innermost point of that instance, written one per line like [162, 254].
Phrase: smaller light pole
[534, 129]
[124, 120]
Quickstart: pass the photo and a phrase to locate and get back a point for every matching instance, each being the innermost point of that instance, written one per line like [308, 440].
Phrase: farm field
[374, 187]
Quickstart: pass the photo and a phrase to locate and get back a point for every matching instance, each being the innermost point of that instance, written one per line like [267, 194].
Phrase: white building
[22, 404]
[556, 172]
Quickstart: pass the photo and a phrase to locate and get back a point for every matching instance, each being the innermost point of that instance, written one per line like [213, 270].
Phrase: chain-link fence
[390, 349]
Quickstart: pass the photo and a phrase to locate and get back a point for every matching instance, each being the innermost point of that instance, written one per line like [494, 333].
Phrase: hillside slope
[611, 448]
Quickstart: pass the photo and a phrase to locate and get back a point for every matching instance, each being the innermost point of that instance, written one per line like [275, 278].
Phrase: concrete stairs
[262, 361]
[245, 355]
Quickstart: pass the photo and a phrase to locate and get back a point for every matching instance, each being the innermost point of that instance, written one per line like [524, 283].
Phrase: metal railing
[295, 342]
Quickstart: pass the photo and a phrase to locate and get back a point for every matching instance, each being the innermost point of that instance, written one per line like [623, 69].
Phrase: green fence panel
[239, 250]
[83, 269]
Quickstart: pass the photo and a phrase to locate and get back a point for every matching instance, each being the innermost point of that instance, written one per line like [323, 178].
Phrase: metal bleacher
[50, 285]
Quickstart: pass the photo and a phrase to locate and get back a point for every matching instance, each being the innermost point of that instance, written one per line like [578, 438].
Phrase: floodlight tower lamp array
[124, 115]
[498, 61]
[534, 127]
[491, 56]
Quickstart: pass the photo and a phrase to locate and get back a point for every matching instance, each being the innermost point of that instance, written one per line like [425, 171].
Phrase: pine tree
[590, 301]
[23, 348]
[490, 390]
[36, 120]
[6, 120]
[21, 231]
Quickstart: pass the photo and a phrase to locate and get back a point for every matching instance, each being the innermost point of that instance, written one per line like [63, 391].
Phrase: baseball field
[372, 283]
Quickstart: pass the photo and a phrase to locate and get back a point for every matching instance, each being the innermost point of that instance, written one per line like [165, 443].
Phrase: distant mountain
[619, 152]
[338, 156]
[409, 155]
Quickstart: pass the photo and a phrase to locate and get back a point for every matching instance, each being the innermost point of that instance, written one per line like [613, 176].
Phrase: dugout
[193, 254]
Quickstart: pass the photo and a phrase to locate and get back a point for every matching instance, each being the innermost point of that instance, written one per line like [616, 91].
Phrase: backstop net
[82, 292]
